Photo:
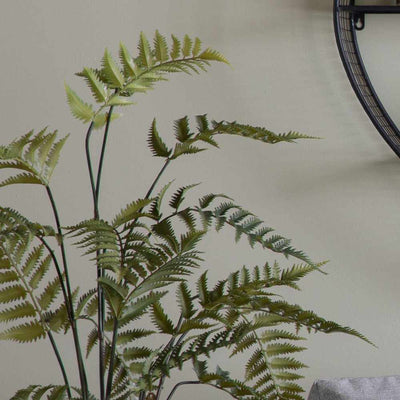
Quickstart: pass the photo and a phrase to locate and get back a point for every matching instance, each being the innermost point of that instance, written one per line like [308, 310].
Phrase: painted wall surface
[337, 198]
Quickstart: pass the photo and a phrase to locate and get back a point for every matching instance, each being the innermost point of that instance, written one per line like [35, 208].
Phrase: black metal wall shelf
[348, 19]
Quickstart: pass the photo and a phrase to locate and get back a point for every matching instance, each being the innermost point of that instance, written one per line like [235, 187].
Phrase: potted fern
[150, 248]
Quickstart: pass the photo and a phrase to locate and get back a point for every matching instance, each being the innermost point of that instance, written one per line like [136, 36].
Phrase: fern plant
[143, 253]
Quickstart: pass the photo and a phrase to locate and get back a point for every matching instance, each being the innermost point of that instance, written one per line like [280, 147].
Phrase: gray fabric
[379, 388]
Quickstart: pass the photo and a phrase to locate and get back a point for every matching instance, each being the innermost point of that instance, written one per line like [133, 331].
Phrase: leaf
[178, 197]
[111, 71]
[176, 47]
[12, 293]
[182, 131]
[40, 272]
[119, 101]
[161, 320]
[131, 211]
[96, 86]
[145, 57]
[212, 55]
[25, 178]
[160, 47]
[78, 107]
[156, 144]
[196, 47]
[185, 300]
[187, 46]
[130, 69]
[23, 333]
[22, 310]
[49, 294]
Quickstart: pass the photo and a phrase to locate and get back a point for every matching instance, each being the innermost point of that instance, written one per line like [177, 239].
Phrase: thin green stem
[60, 363]
[112, 359]
[148, 194]
[89, 161]
[102, 154]
[59, 274]
[78, 351]
[95, 187]
[181, 384]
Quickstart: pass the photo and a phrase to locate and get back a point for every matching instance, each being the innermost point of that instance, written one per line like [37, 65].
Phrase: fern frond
[24, 333]
[156, 144]
[79, 109]
[111, 71]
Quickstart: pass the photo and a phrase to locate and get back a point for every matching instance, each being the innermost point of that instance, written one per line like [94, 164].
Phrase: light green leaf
[187, 46]
[96, 86]
[176, 47]
[78, 107]
[145, 57]
[23, 333]
[196, 47]
[126, 59]
[25, 178]
[213, 55]
[160, 47]
[111, 71]
[119, 101]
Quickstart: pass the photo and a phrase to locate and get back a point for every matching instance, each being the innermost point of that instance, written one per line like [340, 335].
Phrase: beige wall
[338, 198]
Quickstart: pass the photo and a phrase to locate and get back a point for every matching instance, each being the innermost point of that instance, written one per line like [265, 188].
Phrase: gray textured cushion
[379, 388]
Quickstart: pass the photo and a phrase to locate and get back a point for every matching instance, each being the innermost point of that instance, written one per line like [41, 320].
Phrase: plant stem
[102, 154]
[169, 346]
[81, 366]
[112, 359]
[88, 159]
[181, 384]
[95, 194]
[59, 273]
[60, 363]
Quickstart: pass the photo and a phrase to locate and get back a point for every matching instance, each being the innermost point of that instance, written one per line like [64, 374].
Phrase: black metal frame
[348, 18]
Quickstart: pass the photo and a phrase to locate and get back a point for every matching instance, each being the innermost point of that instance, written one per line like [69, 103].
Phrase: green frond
[32, 260]
[78, 107]
[22, 310]
[8, 276]
[23, 333]
[116, 100]
[156, 144]
[185, 148]
[92, 339]
[145, 57]
[129, 67]
[111, 71]
[161, 320]
[26, 178]
[176, 48]
[160, 47]
[155, 209]
[182, 130]
[12, 293]
[49, 294]
[185, 301]
[40, 272]
[97, 88]
[132, 335]
[212, 55]
[284, 363]
[178, 197]
[101, 119]
[187, 46]
[196, 47]
[276, 349]
[132, 211]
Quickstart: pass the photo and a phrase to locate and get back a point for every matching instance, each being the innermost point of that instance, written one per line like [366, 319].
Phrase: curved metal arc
[346, 39]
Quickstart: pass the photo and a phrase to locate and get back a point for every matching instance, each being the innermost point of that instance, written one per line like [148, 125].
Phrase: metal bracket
[358, 12]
